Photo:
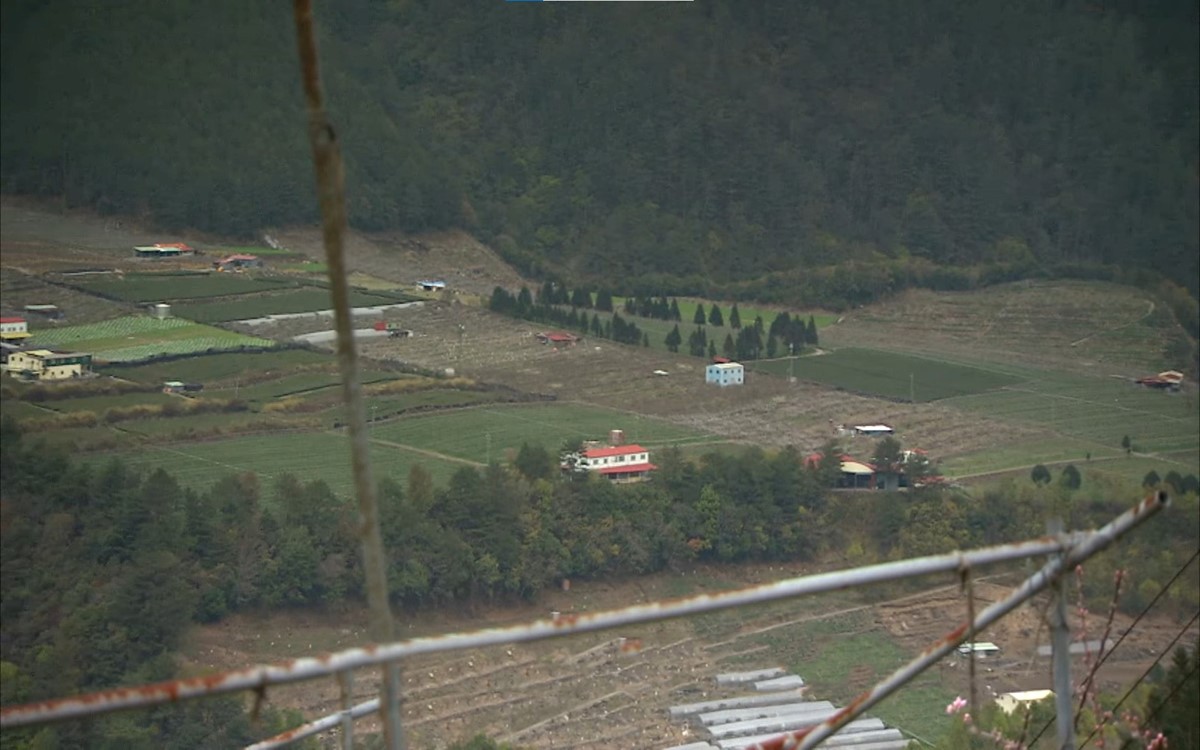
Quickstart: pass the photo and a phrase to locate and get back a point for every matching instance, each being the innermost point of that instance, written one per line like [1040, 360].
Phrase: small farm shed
[430, 285]
[1010, 702]
[43, 364]
[725, 374]
[178, 386]
[47, 311]
[874, 430]
[13, 329]
[981, 649]
[163, 250]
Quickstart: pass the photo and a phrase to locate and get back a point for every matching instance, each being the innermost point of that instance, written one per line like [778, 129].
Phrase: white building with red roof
[620, 464]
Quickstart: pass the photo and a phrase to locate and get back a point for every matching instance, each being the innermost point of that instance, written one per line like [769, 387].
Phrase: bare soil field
[455, 257]
[18, 289]
[766, 411]
[599, 691]
[1076, 325]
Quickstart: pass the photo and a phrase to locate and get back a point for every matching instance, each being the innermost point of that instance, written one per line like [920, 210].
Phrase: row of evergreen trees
[522, 306]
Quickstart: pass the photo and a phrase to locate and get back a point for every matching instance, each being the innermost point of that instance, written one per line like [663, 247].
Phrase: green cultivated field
[259, 306]
[140, 288]
[138, 337]
[888, 374]
[308, 456]
[207, 368]
[1097, 411]
[465, 434]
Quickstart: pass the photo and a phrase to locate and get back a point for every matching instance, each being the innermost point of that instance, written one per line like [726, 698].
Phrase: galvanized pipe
[297, 670]
[317, 726]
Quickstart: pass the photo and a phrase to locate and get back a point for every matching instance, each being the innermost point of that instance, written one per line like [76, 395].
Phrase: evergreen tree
[699, 318]
[735, 318]
[729, 348]
[674, 315]
[604, 300]
[674, 339]
[712, 349]
[810, 332]
[715, 317]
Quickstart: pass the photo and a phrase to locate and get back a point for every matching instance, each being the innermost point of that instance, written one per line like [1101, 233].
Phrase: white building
[43, 364]
[725, 373]
[619, 464]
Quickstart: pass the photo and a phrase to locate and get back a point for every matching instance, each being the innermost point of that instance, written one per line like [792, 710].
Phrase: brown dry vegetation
[1063, 324]
[587, 691]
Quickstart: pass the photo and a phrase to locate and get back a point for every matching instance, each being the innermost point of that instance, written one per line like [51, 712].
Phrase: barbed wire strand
[1144, 676]
[1130, 629]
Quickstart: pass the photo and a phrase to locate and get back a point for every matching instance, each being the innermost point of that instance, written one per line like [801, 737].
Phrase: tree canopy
[752, 138]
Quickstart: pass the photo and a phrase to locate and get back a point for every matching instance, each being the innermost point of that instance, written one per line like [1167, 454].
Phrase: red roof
[721, 360]
[12, 320]
[630, 469]
[559, 336]
[237, 257]
[613, 450]
[176, 245]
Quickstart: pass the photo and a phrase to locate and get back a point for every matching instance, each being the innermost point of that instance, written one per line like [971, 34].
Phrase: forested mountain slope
[715, 140]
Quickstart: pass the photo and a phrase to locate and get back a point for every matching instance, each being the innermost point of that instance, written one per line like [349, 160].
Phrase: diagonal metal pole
[331, 193]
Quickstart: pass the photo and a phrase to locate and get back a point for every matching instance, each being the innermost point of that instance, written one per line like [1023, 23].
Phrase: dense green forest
[686, 145]
[103, 569]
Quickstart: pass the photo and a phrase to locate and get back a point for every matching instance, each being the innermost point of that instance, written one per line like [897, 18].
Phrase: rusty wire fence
[1064, 552]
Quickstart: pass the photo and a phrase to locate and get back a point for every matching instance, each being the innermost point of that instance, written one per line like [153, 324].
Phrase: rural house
[43, 364]
[431, 286]
[725, 373]
[616, 462]
[13, 330]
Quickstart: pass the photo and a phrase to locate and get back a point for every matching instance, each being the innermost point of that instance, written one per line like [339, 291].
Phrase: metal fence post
[1060, 642]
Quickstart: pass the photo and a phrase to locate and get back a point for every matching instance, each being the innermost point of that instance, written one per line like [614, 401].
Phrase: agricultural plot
[487, 433]
[100, 404]
[1100, 411]
[160, 287]
[138, 337]
[260, 306]
[899, 377]
[208, 368]
[308, 456]
[1065, 324]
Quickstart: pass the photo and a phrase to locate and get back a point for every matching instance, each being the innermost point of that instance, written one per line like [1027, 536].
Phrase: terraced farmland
[310, 456]
[152, 287]
[288, 302]
[138, 337]
[473, 434]
[888, 374]
[1064, 324]
[207, 368]
[1099, 411]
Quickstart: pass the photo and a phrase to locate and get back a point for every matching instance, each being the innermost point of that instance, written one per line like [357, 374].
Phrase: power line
[1128, 630]
[1166, 700]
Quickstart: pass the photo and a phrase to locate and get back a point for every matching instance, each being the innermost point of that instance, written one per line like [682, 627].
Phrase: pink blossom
[956, 705]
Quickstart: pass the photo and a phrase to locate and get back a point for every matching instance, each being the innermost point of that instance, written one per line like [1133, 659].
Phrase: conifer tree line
[705, 150]
[787, 334]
